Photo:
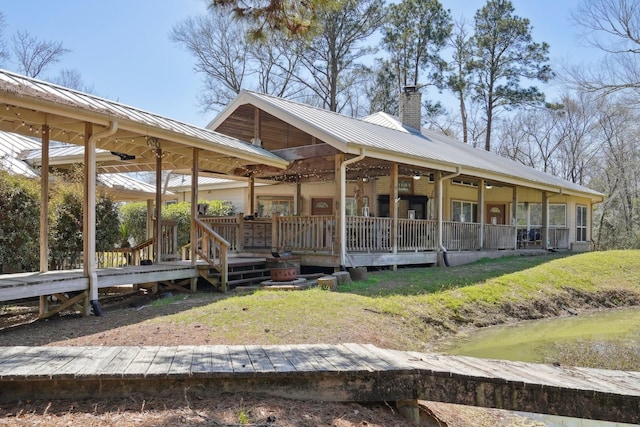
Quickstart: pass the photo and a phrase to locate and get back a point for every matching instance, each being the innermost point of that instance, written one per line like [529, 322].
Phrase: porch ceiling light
[488, 186]
[417, 177]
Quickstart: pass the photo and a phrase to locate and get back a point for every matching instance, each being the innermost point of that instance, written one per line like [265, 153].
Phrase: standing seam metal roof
[385, 133]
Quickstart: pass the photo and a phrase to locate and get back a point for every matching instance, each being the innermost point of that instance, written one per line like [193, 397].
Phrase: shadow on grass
[25, 328]
[420, 281]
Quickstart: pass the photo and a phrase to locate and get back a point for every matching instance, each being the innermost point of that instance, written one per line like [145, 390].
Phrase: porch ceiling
[28, 104]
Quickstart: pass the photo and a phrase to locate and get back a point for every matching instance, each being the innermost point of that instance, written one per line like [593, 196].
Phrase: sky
[123, 52]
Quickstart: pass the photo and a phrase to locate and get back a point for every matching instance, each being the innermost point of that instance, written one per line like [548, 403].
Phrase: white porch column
[481, 212]
[194, 203]
[544, 235]
[89, 215]
[514, 216]
[393, 208]
[44, 202]
[157, 232]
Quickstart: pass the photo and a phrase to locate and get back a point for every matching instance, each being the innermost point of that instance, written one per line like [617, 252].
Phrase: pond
[608, 339]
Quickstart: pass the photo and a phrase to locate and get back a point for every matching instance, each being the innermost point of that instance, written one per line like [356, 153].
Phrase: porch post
[44, 213]
[439, 239]
[481, 213]
[194, 204]
[545, 220]
[393, 208]
[157, 232]
[341, 232]
[149, 218]
[44, 202]
[89, 216]
[252, 194]
[299, 198]
[514, 216]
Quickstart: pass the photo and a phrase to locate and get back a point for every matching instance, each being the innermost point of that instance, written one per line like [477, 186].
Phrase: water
[536, 341]
[533, 341]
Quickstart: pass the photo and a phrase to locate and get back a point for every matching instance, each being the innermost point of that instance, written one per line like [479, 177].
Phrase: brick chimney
[410, 108]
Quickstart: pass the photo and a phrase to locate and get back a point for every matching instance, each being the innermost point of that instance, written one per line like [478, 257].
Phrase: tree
[415, 33]
[229, 61]
[459, 76]
[614, 27]
[34, 55]
[331, 58]
[293, 16]
[504, 54]
[4, 52]
[382, 90]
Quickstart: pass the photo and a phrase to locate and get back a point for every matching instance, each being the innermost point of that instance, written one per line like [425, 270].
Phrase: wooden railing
[461, 236]
[368, 234]
[214, 249]
[304, 233]
[227, 227]
[417, 235]
[499, 236]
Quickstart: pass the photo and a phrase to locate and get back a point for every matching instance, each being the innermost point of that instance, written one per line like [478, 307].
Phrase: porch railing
[368, 234]
[499, 236]
[304, 233]
[214, 249]
[227, 227]
[461, 236]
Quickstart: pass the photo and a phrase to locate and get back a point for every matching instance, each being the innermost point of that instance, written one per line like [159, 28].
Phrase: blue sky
[122, 48]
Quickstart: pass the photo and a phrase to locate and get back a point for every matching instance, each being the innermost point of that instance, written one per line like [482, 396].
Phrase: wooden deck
[28, 285]
[348, 372]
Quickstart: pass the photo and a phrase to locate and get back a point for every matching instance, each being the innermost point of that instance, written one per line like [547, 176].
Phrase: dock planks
[345, 372]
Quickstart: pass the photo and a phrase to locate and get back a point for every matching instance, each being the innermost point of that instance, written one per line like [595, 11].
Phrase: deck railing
[417, 235]
[212, 248]
[227, 227]
[499, 236]
[368, 234]
[304, 233]
[461, 236]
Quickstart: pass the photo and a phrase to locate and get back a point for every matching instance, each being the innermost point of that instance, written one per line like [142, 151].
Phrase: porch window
[581, 223]
[269, 206]
[351, 206]
[464, 211]
[530, 215]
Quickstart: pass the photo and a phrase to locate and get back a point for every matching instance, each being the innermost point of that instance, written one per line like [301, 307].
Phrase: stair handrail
[213, 249]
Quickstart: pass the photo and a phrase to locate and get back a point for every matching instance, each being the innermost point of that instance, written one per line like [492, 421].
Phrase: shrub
[19, 222]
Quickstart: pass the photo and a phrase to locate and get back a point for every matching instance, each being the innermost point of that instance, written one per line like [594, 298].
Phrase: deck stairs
[241, 272]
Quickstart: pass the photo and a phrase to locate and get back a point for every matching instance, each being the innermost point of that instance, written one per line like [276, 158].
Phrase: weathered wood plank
[28, 360]
[92, 365]
[141, 362]
[240, 360]
[279, 360]
[58, 358]
[117, 366]
[220, 359]
[296, 358]
[76, 362]
[162, 361]
[259, 359]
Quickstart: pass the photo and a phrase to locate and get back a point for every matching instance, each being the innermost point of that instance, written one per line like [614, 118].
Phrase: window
[530, 215]
[464, 211]
[581, 223]
[351, 206]
[275, 205]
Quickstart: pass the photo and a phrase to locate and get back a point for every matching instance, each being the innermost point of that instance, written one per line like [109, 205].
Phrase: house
[378, 191]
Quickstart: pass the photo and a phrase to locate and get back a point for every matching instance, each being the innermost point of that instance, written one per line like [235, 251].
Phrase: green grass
[407, 308]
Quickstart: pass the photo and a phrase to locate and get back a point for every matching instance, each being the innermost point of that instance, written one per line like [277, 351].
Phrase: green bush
[19, 223]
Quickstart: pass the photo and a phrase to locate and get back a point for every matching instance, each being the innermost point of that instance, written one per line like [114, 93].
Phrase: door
[495, 214]
[322, 206]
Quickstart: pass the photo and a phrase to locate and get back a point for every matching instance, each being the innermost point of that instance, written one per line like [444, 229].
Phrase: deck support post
[341, 214]
[44, 213]
[440, 178]
[544, 235]
[409, 409]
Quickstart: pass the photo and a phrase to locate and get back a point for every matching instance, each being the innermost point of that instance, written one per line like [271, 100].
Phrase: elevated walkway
[339, 373]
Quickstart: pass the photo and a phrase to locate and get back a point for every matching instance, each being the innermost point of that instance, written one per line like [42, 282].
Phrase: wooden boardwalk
[347, 372]
[29, 285]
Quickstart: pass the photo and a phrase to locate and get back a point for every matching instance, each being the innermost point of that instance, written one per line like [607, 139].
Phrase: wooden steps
[241, 272]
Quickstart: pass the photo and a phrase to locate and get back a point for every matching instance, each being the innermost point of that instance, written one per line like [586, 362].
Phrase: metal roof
[26, 104]
[384, 137]
[15, 148]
